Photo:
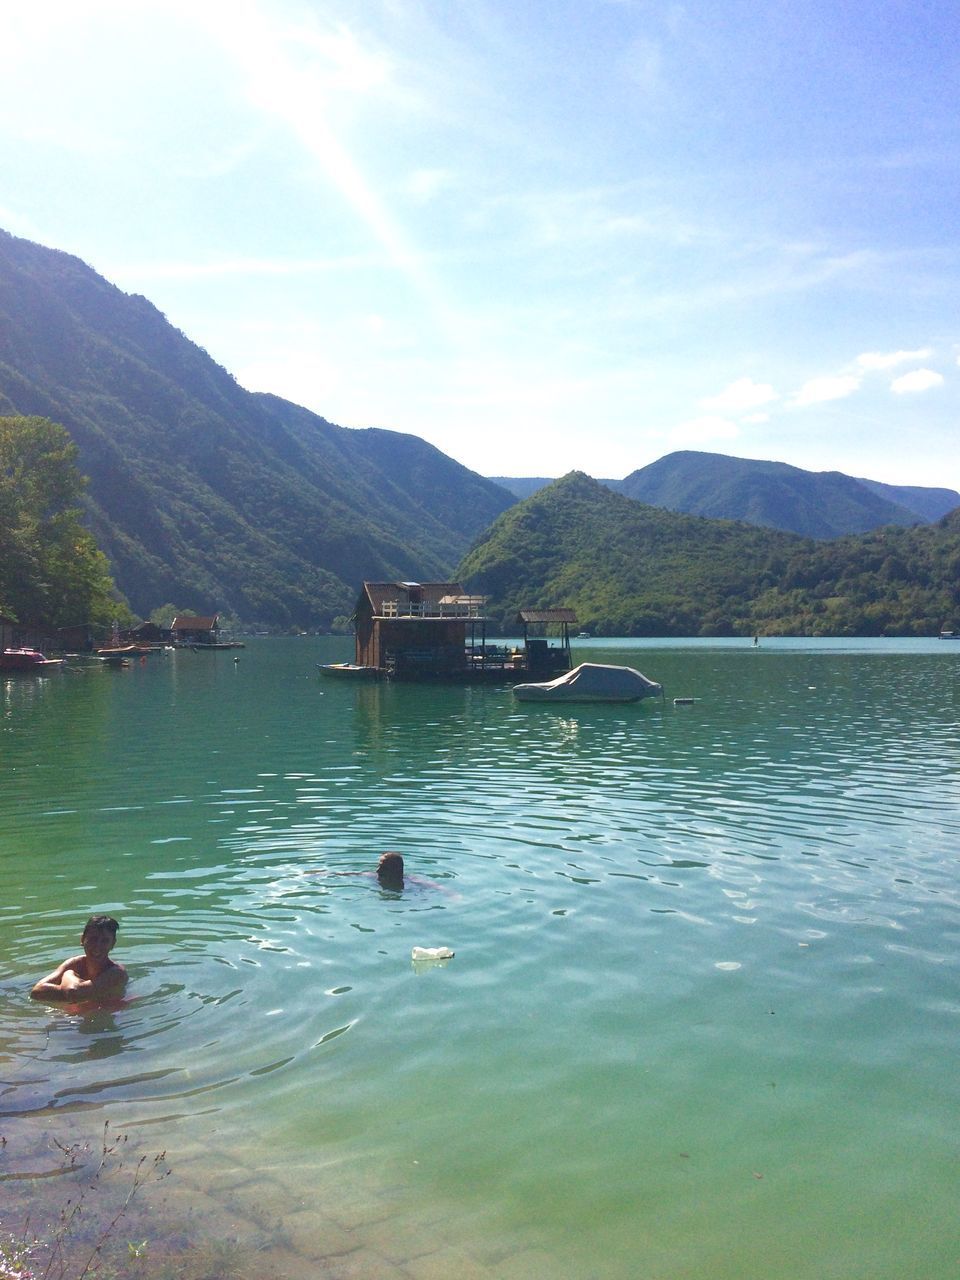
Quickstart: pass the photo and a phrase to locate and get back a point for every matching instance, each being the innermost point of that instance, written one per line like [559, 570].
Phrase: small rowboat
[116, 652]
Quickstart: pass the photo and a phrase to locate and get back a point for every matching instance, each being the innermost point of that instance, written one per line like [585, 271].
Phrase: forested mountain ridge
[202, 492]
[929, 504]
[817, 504]
[631, 569]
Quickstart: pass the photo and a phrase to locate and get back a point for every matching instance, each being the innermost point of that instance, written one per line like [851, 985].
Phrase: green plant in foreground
[63, 1253]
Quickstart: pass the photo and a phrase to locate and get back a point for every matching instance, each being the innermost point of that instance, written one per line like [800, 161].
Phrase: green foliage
[634, 570]
[164, 616]
[52, 573]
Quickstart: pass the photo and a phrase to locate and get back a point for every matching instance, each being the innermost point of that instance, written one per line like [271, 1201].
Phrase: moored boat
[349, 670]
[28, 660]
[115, 652]
[591, 682]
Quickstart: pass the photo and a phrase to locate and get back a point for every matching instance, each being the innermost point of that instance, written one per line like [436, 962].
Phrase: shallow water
[703, 1015]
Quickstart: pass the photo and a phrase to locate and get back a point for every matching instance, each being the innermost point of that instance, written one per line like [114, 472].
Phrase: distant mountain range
[215, 499]
[208, 496]
[817, 504]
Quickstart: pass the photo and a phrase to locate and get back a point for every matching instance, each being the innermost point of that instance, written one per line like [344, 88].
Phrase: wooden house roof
[185, 622]
[547, 615]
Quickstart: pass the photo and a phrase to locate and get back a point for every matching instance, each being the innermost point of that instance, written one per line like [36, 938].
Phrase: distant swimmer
[390, 874]
[92, 976]
[390, 870]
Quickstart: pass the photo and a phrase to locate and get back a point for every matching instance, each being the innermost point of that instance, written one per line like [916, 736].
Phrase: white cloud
[830, 387]
[740, 397]
[871, 360]
[917, 380]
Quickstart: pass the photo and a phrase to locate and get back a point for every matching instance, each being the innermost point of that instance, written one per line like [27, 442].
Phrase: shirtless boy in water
[92, 976]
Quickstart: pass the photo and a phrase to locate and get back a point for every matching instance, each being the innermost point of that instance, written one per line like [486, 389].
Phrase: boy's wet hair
[100, 922]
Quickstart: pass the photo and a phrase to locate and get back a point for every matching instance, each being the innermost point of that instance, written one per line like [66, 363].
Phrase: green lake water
[701, 1024]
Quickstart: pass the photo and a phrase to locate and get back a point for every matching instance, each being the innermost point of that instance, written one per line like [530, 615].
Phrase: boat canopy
[591, 682]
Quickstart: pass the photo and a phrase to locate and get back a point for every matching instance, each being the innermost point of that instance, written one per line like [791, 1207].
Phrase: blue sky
[540, 235]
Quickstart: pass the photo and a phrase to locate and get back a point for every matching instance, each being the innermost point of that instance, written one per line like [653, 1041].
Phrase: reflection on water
[704, 991]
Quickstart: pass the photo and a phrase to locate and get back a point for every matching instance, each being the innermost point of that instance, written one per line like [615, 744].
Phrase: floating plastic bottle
[431, 953]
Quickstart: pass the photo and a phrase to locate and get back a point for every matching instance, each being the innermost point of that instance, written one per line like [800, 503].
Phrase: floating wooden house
[187, 629]
[437, 631]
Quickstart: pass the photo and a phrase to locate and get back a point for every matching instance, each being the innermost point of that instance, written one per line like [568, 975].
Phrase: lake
[702, 1018]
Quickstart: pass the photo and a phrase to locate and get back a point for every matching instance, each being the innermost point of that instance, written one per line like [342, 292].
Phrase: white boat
[348, 669]
[591, 682]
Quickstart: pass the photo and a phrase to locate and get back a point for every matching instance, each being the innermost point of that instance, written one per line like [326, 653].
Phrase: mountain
[209, 496]
[926, 504]
[524, 486]
[825, 504]
[631, 569]
[627, 568]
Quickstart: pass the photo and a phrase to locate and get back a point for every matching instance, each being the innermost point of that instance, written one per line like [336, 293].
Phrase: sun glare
[295, 74]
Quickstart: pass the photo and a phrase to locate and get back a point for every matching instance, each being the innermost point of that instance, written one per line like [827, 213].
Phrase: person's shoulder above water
[90, 976]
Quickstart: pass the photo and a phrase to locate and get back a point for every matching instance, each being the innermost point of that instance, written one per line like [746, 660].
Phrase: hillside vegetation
[204, 493]
[635, 570]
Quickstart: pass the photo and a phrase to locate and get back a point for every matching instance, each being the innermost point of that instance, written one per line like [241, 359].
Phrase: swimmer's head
[390, 870]
[99, 937]
[100, 924]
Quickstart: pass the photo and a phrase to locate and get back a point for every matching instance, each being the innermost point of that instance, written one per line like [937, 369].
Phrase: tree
[52, 573]
[164, 616]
